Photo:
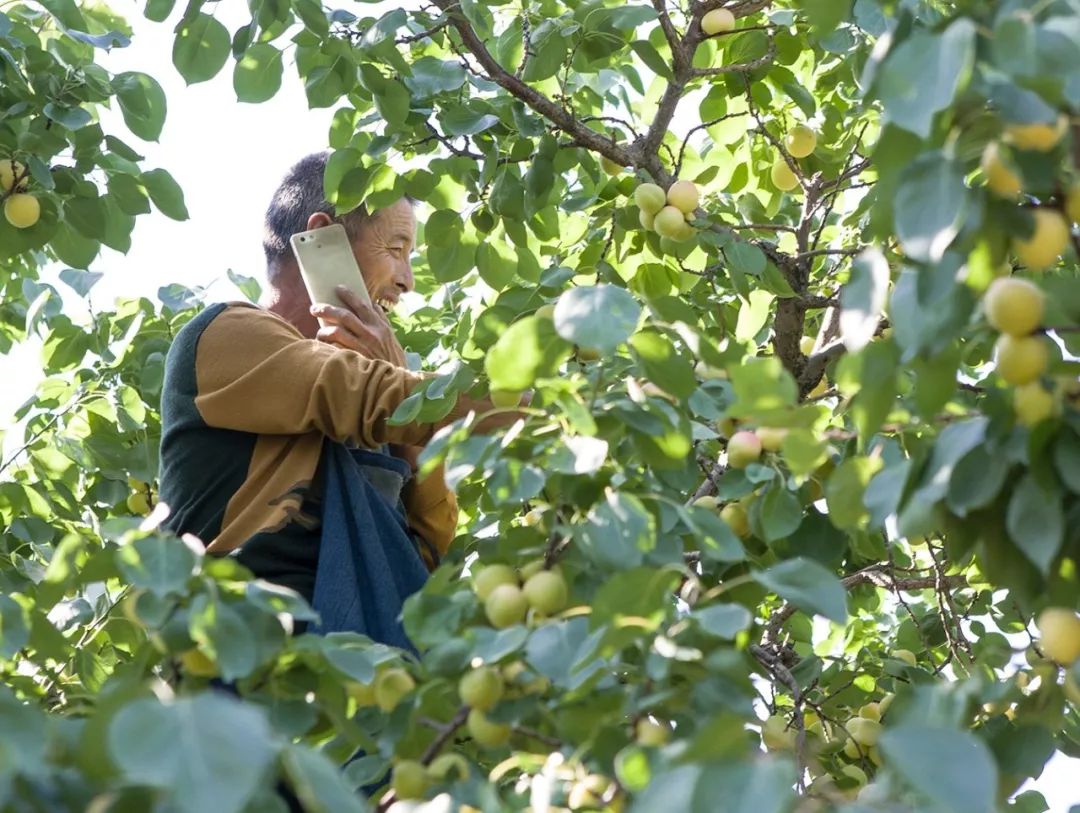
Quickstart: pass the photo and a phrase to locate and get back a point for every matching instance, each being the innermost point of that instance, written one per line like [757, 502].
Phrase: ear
[318, 220]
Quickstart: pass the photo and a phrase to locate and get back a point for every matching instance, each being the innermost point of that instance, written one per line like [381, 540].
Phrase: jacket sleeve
[432, 510]
[256, 373]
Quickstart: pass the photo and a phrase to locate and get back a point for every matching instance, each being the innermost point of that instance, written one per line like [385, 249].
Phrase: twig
[872, 575]
[444, 735]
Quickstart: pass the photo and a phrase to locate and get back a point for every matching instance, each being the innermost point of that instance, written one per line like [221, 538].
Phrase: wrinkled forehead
[395, 222]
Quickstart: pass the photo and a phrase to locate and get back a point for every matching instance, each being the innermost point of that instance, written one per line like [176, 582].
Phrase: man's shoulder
[230, 316]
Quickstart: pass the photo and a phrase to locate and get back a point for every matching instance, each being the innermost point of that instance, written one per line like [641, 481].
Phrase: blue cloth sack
[369, 562]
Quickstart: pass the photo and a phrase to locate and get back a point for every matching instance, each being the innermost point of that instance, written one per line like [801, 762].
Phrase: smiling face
[383, 247]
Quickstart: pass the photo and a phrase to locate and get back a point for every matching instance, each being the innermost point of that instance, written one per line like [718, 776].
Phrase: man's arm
[256, 373]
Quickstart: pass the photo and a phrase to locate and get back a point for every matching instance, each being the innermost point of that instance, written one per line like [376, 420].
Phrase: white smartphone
[326, 261]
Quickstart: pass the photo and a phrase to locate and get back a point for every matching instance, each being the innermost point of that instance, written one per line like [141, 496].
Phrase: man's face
[383, 247]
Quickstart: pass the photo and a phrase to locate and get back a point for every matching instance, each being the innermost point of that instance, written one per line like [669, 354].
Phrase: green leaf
[651, 57]
[1036, 522]
[431, 76]
[662, 363]
[778, 514]
[529, 349]
[142, 104]
[319, 783]
[257, 75]
[208, 752]
[922, 75]
[618, 532]
[930, 206]
[1067, 460]
[249, 286]
[862, 299]
[953, 769]
[470, 119]
[599, 317]
[201, 48]
[161, 564]
[844, 491]
[14, 627]
[976, 480]
[564, 652]
[761, 385]
[762, 785]
[73, 118]
[165, 193]
[807, 585]
[723, 620]
[225, 635]
[642, 592]
[158, 10]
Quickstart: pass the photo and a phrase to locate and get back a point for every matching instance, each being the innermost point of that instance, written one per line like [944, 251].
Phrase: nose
[404, 278]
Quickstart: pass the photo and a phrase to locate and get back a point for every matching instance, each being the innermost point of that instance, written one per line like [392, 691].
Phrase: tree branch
[561, 118]
[871, 575]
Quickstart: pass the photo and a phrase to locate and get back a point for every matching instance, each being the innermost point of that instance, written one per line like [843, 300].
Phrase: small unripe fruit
[138, 504]
[1000, 178]
[646, 220]
[1038, 137]
[198, 663]
[410, 780]
[852, 750]
[546, 592]
[650, 198]
[820, 389]
[743, 449]
[481, 688]
[718, 21]
[1072, 203]
[506, 606]
[21, 210]
[610, 167]
[1014, 306]
[1049, 238]
[651, 734]
[905, 655]
[1059, 635]
[546, 311]
[362, 693]
[1020, 360]
[708, 373]
[771, 437]
[776, 735]
[671, 223]
[533, 518]
[800, 141]
[864, 730]
[491, 577]
[683, 195]
[391, 686]
[449, 767]
[856, 773]
[708, 502]
[587, 794]
[506, 398]
[10, 170]
[734, 514]
[1033, 404]
[806, 345]
[588, 354]
[782, 177]
[486, 732]
[871, 711]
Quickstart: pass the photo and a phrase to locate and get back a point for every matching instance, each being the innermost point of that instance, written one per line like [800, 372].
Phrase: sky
[229, 157]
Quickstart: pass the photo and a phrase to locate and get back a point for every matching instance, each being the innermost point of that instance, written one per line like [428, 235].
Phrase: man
[251, 395]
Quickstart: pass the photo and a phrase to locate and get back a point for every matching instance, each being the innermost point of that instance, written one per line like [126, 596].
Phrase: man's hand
[360, 327]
